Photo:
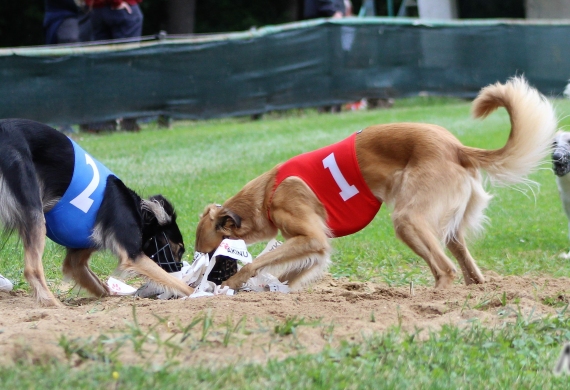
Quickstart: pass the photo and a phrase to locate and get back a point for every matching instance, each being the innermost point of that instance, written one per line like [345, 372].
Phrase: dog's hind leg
[21, 210]
[76, 267]
[471, 273]
[34, 243]
[471, 221]
[414, 231]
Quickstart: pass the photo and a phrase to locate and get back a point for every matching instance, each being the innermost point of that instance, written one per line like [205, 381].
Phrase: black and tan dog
[432, 182]
[49, 185]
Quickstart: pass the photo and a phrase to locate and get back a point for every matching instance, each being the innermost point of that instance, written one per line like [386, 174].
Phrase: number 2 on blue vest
[82, 201]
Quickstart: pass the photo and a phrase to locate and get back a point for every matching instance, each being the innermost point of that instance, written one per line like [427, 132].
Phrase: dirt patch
[257, 326]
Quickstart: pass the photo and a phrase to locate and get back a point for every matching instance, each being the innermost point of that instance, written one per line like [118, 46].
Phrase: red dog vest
[334, 176]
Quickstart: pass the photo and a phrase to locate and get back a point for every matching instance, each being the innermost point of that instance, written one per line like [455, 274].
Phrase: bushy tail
[533, 124]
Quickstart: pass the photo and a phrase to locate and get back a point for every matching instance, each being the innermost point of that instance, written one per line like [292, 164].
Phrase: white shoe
[5, 284]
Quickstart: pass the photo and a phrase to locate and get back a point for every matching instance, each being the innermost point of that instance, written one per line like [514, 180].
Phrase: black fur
[36, 167]
[29, 153]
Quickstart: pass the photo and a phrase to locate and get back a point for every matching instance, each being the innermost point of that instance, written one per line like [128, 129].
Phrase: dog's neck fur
[563, 184]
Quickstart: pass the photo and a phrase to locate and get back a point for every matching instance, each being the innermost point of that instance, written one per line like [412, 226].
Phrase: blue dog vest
[70, 223]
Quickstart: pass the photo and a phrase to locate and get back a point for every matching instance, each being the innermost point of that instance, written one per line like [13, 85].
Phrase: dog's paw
[239, 279]
[565, 256]
[235, 282]
[54, 303]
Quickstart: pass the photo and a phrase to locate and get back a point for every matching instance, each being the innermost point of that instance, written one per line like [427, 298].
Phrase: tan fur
[76, 267]
[155, 207]
[141, 266]
[33, 267]
[146, 267]
[432, 182]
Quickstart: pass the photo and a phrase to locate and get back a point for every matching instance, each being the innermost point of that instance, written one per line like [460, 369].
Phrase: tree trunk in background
[180, 16]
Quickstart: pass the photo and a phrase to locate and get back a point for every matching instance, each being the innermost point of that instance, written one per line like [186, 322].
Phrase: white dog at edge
[561, 167]
[5, 284]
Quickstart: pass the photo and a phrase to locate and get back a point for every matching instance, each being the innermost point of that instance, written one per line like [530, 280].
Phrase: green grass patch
[196, 163]
[522, 353]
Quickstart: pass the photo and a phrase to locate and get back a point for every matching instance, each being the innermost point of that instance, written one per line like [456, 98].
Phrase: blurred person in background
[324, 9]
[348, 9]
[115, 19]
[66, 21]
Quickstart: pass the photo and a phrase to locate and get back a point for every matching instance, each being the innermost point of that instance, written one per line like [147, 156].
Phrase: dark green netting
[312, 63]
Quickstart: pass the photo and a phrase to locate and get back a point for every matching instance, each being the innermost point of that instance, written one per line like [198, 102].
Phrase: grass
[196, 163]
[520, 354]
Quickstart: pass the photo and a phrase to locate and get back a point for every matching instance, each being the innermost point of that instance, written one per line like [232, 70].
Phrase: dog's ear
[226, 220]
[166, 205]
[210, 211]
[222, 218]
[157, 207]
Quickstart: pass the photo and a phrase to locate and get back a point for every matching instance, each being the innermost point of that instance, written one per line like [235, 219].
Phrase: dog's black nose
[557, 156]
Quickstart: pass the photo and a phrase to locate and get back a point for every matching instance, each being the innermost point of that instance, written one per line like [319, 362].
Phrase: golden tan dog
[432, 182]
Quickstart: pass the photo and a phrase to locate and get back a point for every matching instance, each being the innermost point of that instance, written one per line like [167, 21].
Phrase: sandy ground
[254, 327]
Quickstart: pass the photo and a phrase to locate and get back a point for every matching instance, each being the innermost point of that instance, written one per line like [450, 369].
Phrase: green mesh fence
[304, 64]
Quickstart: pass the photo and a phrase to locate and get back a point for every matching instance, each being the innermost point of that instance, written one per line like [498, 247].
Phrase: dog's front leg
[298, 214]
[241, 277]
[566, 203]
[302, 258]
[144, 266]
[563, 184]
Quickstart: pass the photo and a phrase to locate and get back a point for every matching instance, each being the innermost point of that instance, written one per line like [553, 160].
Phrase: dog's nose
[557, 156]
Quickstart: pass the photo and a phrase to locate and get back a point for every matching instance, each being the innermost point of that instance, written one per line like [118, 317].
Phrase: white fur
[155, 207]
[536, 120]
[10, 211]
[312, 267]
[563, 184]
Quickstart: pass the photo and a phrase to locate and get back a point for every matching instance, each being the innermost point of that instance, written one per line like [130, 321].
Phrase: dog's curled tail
[533, 124]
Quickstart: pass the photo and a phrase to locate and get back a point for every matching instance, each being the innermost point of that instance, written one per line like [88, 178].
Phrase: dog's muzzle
[561, 161]
[224, 268]
[161, 253]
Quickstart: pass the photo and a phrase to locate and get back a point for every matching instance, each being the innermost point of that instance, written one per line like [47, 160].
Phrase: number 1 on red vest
[347, 191]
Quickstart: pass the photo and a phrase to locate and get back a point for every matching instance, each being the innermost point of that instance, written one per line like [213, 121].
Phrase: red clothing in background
[112, 3]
